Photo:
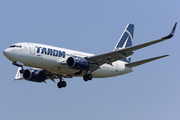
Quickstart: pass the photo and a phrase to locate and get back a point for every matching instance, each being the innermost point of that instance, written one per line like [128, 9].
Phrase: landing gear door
[32, 50]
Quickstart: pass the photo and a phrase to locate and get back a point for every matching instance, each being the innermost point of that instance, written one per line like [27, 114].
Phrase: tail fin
[126, 40]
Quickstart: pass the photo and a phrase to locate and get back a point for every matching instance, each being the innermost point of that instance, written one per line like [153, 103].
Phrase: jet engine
[77, 63]
[34, 75]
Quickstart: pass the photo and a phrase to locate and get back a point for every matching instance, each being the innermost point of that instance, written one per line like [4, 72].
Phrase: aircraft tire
[85, 78]
[89, 76]
[59, 85]
[63, 83]
[21, 71]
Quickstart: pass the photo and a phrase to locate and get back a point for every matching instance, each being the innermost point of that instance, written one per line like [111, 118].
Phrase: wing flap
[134, 64]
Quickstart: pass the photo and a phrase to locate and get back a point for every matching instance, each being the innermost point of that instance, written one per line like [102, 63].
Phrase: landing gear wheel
[61, 84]
[89, 76]
[21, 71]
[85, 78]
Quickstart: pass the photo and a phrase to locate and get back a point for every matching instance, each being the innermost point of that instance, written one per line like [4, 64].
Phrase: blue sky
[151, 92]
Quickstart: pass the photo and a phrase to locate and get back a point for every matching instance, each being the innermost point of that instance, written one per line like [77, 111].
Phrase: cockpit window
[12, 46]
[18, 46]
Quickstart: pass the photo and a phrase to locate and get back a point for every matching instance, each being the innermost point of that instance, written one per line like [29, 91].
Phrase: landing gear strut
[61, 83]
[87, 77]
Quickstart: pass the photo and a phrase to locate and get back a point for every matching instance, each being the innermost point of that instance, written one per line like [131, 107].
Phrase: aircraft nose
[8, 53]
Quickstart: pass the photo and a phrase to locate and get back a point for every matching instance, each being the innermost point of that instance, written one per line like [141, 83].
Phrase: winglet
[171, 33]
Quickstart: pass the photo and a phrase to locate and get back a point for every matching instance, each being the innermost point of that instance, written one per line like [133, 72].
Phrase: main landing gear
[87, 77]
[61, 83]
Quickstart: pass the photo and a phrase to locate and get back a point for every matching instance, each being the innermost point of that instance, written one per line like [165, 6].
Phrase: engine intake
[34, 75]
[77, 63]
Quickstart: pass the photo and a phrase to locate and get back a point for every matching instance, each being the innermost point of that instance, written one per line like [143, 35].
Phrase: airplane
[49, 62]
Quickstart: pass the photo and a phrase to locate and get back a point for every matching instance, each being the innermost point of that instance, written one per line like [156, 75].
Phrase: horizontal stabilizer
[134, 64]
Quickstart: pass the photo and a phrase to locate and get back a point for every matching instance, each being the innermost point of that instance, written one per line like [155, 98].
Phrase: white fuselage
[51, 58]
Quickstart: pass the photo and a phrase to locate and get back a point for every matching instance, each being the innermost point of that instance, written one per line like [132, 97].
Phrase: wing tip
[171, 33]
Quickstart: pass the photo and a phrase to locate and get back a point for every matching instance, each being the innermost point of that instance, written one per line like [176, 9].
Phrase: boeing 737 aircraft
[50, 62]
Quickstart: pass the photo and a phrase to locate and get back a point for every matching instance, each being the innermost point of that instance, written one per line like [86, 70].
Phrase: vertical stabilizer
[126, 40]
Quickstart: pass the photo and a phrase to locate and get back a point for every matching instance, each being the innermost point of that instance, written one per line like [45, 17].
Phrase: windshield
[18, 46]
[12, 46]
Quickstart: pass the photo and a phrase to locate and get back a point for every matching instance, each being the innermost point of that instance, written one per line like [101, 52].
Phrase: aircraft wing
[98, 60]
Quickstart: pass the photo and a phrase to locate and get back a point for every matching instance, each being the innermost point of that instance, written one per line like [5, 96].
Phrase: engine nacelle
[77, 63]
[34, 75]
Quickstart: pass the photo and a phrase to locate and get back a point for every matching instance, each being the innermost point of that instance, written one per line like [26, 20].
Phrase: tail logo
[126, 39]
